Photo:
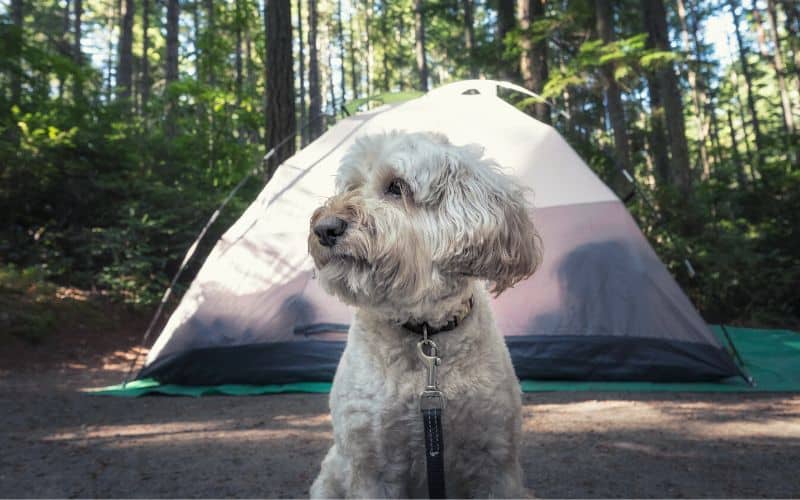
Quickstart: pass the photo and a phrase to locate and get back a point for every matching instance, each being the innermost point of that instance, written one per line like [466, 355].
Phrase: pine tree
[280, 120]
[314, 90]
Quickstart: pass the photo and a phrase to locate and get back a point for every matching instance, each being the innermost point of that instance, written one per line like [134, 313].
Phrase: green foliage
[98, 197]
[100, 193]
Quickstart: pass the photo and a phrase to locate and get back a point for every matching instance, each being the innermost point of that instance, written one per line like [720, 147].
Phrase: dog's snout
[328, 229]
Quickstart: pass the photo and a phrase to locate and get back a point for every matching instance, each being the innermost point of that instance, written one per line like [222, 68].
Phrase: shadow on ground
[61, 443]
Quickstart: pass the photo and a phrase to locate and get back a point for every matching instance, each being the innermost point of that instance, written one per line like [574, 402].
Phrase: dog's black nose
[328, 229]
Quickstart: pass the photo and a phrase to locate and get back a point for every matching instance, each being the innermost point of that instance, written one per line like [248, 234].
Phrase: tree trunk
[77, 89]
[198, 58]
[314, 92]
[171, 62]
[761, 37]
[616, 112]
[469, 37]
[145, 55]
[506, 22]
[18, 18]
[353, 72]
[280, 120]
[248, 54]
[748, 81]
[368, 44]
[737, 160]
[340, 34]
[740, 107]
[694, 87]
[717, 149]
[301, 55]
[422, 60]
[655, 22]
[792, 25]
[329, 74]
[112, 21]
[125, 51]
[211, 34]
[173, 15]
[533, 56]
[238, 57]
[387, 71]
[63, 48]
[657, 136]
[777, 62]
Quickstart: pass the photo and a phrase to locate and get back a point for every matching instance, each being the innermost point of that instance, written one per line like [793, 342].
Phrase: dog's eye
[395, 188]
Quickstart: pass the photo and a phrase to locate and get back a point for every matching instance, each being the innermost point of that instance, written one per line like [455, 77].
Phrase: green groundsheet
[771, 358]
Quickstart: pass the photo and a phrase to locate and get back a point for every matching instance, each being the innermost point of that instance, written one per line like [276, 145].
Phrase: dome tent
[602, 306]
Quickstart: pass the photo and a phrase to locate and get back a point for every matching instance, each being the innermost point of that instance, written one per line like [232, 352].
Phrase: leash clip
[431, 398]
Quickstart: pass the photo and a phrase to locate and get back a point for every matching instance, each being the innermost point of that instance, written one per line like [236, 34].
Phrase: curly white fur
[419, 255]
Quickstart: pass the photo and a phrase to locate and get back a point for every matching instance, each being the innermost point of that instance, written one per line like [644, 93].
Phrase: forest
[124, 124]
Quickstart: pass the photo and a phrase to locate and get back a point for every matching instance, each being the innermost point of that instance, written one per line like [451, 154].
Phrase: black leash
[434, 456]
[431, 404]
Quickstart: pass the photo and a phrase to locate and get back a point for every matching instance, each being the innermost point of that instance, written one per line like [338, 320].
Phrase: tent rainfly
[601, 307]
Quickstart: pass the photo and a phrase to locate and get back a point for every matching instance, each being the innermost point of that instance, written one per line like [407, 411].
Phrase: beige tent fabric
[256, 285]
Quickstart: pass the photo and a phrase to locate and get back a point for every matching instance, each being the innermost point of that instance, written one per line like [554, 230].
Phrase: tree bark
[748, 81]
[110, 56]
[422, 60]
[238, 57]
[211, 53]
[63, 47]
[145, 55]
[314, 92]
[248, 54]
[737, 160]
[740, 106]
[717, 151]
[533, 55]
[655, 22]
[77, 89]
[171, 63]
[353, 65]
[329, 74]
[198, 40]
[125, 51]
[469, 37]
[301, 55]
[340, 34]
[695, 89]
[368, 44]
[506, 22]
[280, 119]
[616, 112]
[777, 62]
[792, 25]
[18, 18]
[761, 37]
[173, 16]
[387, 70]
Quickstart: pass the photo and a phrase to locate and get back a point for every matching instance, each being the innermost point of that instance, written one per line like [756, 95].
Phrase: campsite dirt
[59, 442]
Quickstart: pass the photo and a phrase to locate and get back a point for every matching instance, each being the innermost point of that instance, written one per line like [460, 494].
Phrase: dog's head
[415, 219]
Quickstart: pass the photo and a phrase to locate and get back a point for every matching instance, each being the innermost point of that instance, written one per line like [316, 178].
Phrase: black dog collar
[452, 324]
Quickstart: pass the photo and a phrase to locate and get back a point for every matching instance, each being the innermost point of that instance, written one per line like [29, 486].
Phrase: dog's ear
[497, 238]
[512, 251]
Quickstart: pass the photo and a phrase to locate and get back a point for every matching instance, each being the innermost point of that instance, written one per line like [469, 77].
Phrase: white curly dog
[415, 228]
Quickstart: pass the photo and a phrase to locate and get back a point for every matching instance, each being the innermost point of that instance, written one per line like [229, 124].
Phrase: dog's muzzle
[329, 229]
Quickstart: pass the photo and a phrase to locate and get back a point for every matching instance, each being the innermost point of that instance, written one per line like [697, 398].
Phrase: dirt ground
[59, 442]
